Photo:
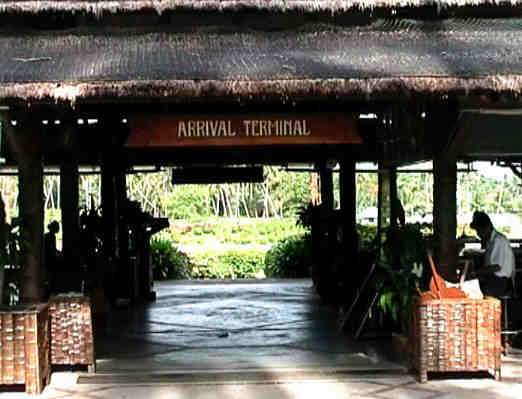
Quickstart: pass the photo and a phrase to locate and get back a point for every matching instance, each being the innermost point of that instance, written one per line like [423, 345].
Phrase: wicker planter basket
[72, 340]
[451, 335]
[24, 347]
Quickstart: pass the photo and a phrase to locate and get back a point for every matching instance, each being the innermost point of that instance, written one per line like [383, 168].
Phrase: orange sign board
[160, 131]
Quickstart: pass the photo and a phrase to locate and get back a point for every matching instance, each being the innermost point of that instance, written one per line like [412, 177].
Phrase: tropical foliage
[169, 262]
[397, 296]
[261, 213]
[238, 231]
[290, 258]
[11, 247]
[281, 194]
[243, 264]
[406, 272]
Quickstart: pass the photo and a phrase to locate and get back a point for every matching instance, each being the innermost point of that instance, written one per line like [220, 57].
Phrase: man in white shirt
[497, 273]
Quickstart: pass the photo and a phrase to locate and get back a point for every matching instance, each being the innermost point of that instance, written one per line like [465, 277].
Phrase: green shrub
[290, 258]
[11, 248]
[234, 230]
[171, 264]
[405, 252]
[367, 235]
[245, 264]
[404, 246]
[397, 296]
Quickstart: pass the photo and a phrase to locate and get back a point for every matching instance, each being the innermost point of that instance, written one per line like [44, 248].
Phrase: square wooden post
[69, 194]
[349, 205]
[445, 214]
[383, 206]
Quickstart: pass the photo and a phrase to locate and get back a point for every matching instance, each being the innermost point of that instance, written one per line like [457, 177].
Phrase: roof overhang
[99, 7]
[261, 91]
[489, 134]
[387, 59]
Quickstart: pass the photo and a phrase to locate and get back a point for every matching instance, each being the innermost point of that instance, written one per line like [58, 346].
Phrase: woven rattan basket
[450, 335]
[72, 340]
[24, 347]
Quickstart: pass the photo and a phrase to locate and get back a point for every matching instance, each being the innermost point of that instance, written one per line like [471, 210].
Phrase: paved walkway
[251, 340]
[65, 385]
[221, 326]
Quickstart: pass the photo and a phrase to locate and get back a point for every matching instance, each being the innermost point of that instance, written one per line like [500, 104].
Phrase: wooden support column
[112, 184]
[69, 194]
[445, 213]
[120, 181]
[327, 201]
[349, 206]
[442, 120]
[383, 204]
[109, 208]
[116, 238]
[394, 198]
[327, 197]
[115, 243]
[25, 143]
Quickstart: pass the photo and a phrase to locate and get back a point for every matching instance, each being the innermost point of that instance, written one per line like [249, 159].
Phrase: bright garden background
[252, 230]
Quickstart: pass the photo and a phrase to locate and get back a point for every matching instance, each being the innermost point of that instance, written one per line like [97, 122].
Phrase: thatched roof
[386, 58]
[116, 6]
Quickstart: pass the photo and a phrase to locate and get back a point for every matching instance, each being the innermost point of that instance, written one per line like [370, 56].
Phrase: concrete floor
[250, 325]
[255, 340]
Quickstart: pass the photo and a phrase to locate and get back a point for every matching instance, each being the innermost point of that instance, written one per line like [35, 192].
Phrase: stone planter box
[24, 346]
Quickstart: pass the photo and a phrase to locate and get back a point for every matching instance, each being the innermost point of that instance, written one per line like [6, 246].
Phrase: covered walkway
[261, 326]
[251, 339]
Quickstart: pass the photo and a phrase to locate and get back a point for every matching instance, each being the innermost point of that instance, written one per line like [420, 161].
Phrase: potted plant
[3, 249]
[404, 259]
[23, 328]
[10, 265]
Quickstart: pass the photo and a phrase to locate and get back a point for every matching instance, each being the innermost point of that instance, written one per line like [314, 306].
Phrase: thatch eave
[268, 91]
[99, 7]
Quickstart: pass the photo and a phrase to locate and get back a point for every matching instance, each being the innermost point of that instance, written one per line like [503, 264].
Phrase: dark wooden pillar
[442, 121]
[114, 196]
[115, 241]
[109, 208]
[120, 181]
[383, 204]
[115, 225]
[69, 194]
[348, 200]
[25, 143]
[327, 202]
[394, 198]
[445, 213]
[327, 197]
[113, 185]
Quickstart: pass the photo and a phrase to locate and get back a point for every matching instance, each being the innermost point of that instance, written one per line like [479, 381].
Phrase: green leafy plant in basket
[404, 258]
[10, 259]
[397, 296]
